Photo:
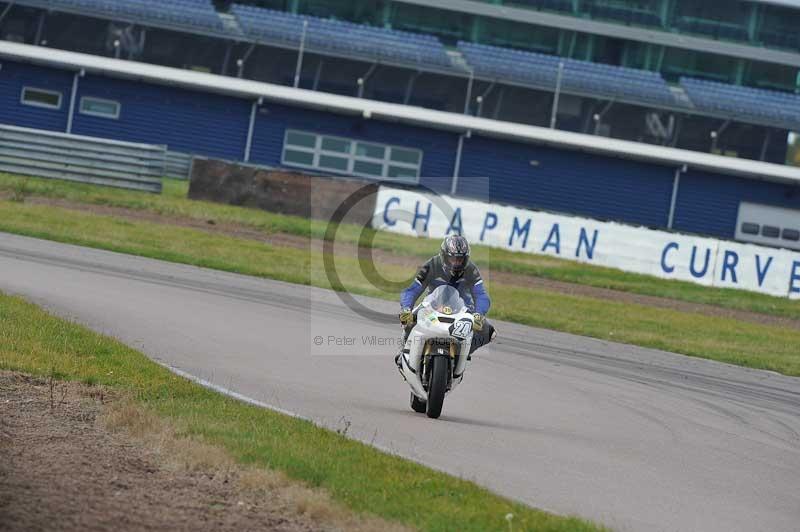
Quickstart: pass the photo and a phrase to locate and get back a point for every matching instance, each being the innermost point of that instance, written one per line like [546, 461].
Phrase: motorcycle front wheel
[437, 386]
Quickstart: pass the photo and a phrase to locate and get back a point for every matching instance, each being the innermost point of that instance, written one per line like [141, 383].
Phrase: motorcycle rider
[451, 266]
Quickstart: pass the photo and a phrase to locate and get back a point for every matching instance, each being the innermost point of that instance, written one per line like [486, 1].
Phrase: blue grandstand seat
[191, 13]
[347, 38]
[541, 70]
[779, 108]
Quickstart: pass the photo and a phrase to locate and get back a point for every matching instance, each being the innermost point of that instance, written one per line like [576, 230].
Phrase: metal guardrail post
[457, 165]
[6, 10]
[554, 114]
[299, 66]
[251, 129]
[360, 82]
[468, 97]
[73, 95]
[676, 183]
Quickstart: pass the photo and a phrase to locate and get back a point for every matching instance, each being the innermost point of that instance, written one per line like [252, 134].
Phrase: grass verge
[173, 202]
[722, 339]
[354, 474]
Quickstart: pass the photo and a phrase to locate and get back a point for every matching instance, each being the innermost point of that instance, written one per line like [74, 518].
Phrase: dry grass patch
[187, 453]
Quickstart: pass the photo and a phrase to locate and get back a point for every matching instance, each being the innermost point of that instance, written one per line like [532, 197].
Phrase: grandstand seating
[491, 62]
[343, 37]
[541, 70]
[191, 13]
[744, 102]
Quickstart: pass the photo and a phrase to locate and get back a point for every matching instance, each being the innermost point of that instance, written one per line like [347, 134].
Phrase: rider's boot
[482, 338]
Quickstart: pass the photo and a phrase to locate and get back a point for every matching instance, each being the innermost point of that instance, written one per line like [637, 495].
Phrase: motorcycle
[435, 353]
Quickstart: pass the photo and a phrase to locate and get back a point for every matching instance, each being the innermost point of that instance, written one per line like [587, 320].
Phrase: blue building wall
[539, 177]
[186, 121]
[566, 181]
[438, 147]
[708, 203]
[14, 76]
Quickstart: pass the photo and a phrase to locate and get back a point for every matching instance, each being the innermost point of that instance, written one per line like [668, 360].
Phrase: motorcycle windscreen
[446, 299]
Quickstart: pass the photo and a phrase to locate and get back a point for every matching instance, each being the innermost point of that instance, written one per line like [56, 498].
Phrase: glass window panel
[402, 173]
[750, 228]
[343, 155]
[298, 157]
[400, 155]
[41, 98]
[333, 163]
[373, 151]
[96, 106]
[373, 169]
[770, 231]
[332, 144]
[295, 138]
[449, 25]
[791, 234]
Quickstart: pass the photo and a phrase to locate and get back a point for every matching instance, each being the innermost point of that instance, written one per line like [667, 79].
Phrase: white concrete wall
[666, 255]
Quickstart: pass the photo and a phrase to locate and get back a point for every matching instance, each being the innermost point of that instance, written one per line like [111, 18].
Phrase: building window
[791, 234]
[750, 228]
[41, 98]
[99, 107]
[770, 231]
[349, 156]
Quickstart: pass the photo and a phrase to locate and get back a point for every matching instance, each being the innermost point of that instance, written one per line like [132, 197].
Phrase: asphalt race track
[633, 438]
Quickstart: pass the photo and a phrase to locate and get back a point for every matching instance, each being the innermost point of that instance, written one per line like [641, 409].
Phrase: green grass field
[173, 202]
[355, 474]
[726, 340]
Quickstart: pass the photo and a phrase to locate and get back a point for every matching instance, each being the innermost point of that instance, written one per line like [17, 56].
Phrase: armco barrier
[662, 254]
[179, 165]
[84, 159]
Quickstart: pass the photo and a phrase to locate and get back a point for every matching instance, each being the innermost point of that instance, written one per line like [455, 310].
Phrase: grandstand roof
[396, 113]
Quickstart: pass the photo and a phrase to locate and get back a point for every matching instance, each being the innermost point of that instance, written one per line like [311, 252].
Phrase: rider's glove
[406, 317]
[477, 322]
